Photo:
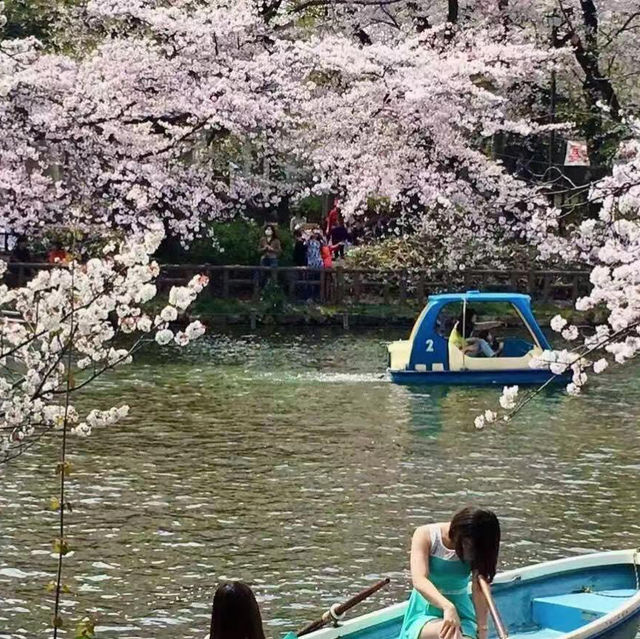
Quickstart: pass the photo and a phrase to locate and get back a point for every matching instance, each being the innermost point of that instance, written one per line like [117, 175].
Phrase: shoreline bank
[224, 312]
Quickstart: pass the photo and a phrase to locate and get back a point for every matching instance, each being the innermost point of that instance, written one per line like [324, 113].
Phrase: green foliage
[229, 243]
[85, 629]
[273, 297]
[379, 205]
[35, 18]
[311, 208]
[234, 242]
[287, 242]
[28, 18]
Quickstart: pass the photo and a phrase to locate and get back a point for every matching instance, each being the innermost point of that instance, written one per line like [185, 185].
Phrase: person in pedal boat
[470, 336]
[235, 613]
[444, 558]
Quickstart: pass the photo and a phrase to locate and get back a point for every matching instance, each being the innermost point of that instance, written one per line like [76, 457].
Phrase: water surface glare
[287, 460]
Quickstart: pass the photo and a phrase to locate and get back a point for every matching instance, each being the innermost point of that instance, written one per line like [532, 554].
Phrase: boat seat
[574, 610]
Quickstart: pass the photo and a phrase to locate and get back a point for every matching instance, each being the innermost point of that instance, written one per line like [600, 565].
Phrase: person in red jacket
[332, 219]
[327, 255]
[58, 255]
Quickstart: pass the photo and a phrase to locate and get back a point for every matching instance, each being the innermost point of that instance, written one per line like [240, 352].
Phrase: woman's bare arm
[420, 547]
[480, 604]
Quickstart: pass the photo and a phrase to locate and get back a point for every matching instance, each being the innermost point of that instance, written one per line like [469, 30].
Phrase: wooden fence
[346, 285]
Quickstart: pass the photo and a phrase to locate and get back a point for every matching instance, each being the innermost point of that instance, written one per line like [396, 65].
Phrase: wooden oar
[493, 609]
[336, 611]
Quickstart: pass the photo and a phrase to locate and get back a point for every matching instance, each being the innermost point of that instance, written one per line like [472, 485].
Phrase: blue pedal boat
[584, 597]
[432, 354]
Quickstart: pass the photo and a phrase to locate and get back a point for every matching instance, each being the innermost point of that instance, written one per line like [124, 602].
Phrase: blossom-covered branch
[70, 325]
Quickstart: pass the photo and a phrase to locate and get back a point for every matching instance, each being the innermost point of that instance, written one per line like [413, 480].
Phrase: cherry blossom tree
[610, 246]
[64, 329]
[160, 116]
[601, 38]
[409, 121]
[146, 125]
[142, 126]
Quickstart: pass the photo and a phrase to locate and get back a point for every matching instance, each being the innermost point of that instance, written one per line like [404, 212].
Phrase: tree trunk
[452, 14]
[452, 19]
[596, 87]
[268, 8]
[503, 7]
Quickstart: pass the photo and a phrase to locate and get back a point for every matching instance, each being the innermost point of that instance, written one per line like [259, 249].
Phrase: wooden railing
[347, 285]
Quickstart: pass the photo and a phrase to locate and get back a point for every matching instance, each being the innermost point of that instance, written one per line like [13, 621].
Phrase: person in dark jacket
[299, 249]
[21, 252]
[300, 259]
[339, 235]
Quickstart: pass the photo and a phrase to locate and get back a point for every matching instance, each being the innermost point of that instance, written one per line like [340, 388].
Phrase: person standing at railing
[331, 219]
[21, 254]
[270, 249]
[339, 237]
[314, 260]
[314, 250]
[299, 260]
[299, 249]
[58, 255]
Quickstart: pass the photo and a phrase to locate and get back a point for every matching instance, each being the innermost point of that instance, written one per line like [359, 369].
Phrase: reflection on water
[289, 461]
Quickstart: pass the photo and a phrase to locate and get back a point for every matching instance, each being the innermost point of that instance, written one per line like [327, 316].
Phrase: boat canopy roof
[477, 296]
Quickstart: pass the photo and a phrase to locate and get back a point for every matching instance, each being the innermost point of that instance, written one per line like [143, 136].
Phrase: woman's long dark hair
[235, 613]
[476, 532]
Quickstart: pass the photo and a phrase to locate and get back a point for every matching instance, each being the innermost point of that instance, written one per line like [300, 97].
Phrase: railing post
[256, 284]
[385, 290]
[209, 276]
[292, 276]
[531, 282]
[546, 287]
[225, 281]
[339, 284]
[420, 288]
[323, 287]
[403, 287]
[575, 290]
[357, 285]
[514, 280]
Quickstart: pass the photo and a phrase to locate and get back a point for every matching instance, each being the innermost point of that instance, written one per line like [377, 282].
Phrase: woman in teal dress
[445, 557]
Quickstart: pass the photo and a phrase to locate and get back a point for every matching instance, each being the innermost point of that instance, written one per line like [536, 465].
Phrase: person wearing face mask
[269, 247]
[444, 558]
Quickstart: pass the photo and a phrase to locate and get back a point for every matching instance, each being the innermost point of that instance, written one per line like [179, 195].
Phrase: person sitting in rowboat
[444, 558]
[235, 613]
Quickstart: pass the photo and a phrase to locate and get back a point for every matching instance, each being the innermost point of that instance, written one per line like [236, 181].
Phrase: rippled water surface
[288, 461]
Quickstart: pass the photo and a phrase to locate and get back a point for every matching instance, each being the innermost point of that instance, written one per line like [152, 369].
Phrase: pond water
[287, 460]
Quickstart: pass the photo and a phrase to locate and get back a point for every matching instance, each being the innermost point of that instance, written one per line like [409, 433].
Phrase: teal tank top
[451, 577]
